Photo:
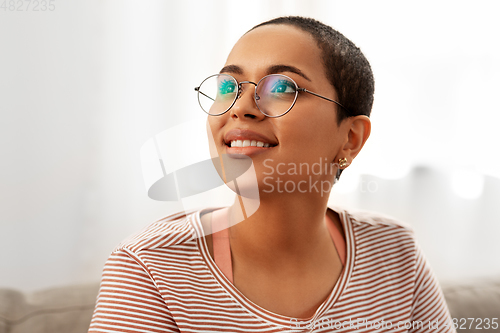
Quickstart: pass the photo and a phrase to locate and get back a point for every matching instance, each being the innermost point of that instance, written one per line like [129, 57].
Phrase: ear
[357, 130]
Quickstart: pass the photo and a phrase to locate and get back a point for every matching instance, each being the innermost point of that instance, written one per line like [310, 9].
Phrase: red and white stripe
[164, 280]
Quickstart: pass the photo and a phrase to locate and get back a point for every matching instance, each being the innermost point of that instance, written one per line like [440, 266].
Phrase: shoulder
[377, 229]
[169, 231]
[373, 220]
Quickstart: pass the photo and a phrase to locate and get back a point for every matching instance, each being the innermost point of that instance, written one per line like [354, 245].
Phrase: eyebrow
[233, 69]
[275, 69]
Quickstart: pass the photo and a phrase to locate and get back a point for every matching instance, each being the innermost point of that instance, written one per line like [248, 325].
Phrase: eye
[227, 87]
[283, 86]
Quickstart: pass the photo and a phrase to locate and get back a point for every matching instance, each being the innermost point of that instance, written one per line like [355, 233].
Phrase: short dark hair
[346, 67]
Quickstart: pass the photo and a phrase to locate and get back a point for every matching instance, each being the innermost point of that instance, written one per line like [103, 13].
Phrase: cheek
[312, 138]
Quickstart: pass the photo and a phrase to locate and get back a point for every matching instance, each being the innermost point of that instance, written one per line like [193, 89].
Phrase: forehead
[273, 45]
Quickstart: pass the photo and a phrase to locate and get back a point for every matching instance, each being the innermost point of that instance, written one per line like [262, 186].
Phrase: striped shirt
[163, 279]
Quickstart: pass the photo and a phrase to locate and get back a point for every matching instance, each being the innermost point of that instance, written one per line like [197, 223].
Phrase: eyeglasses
[274, 94]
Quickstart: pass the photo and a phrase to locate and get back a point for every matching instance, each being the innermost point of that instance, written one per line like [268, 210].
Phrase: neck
[283, 227]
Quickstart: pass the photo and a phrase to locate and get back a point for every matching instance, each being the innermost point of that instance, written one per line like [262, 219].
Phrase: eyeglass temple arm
[201, 92]
[331, 100]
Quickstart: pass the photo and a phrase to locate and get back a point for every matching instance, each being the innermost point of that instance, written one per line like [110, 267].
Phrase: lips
[241, 138]
[247, 142]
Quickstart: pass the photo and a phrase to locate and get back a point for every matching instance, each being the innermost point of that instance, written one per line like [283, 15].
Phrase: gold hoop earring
[342, 163]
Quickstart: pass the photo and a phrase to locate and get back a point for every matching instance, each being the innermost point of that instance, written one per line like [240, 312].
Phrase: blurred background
[84, 84]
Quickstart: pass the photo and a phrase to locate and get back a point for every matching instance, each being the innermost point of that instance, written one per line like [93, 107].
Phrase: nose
[245, 105]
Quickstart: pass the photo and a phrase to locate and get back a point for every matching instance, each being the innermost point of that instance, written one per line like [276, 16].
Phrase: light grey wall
[51, 104]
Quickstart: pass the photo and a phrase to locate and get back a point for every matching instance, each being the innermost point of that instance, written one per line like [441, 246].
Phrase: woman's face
[308, 134]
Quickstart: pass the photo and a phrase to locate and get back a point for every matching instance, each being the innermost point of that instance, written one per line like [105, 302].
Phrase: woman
[293, 98]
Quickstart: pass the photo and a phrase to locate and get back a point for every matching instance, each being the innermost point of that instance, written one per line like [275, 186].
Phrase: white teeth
[236, 143]
[248, 143]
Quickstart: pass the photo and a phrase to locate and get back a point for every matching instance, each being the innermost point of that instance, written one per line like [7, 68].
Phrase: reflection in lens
[276, 94]
[217, 93]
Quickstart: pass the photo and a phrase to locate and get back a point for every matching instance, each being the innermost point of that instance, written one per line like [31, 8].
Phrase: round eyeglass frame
[256, 97]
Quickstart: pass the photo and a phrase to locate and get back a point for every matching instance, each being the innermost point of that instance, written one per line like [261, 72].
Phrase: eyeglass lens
[274, 95]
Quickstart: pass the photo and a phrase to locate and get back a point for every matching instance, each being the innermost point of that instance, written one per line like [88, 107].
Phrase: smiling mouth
[248, 143]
